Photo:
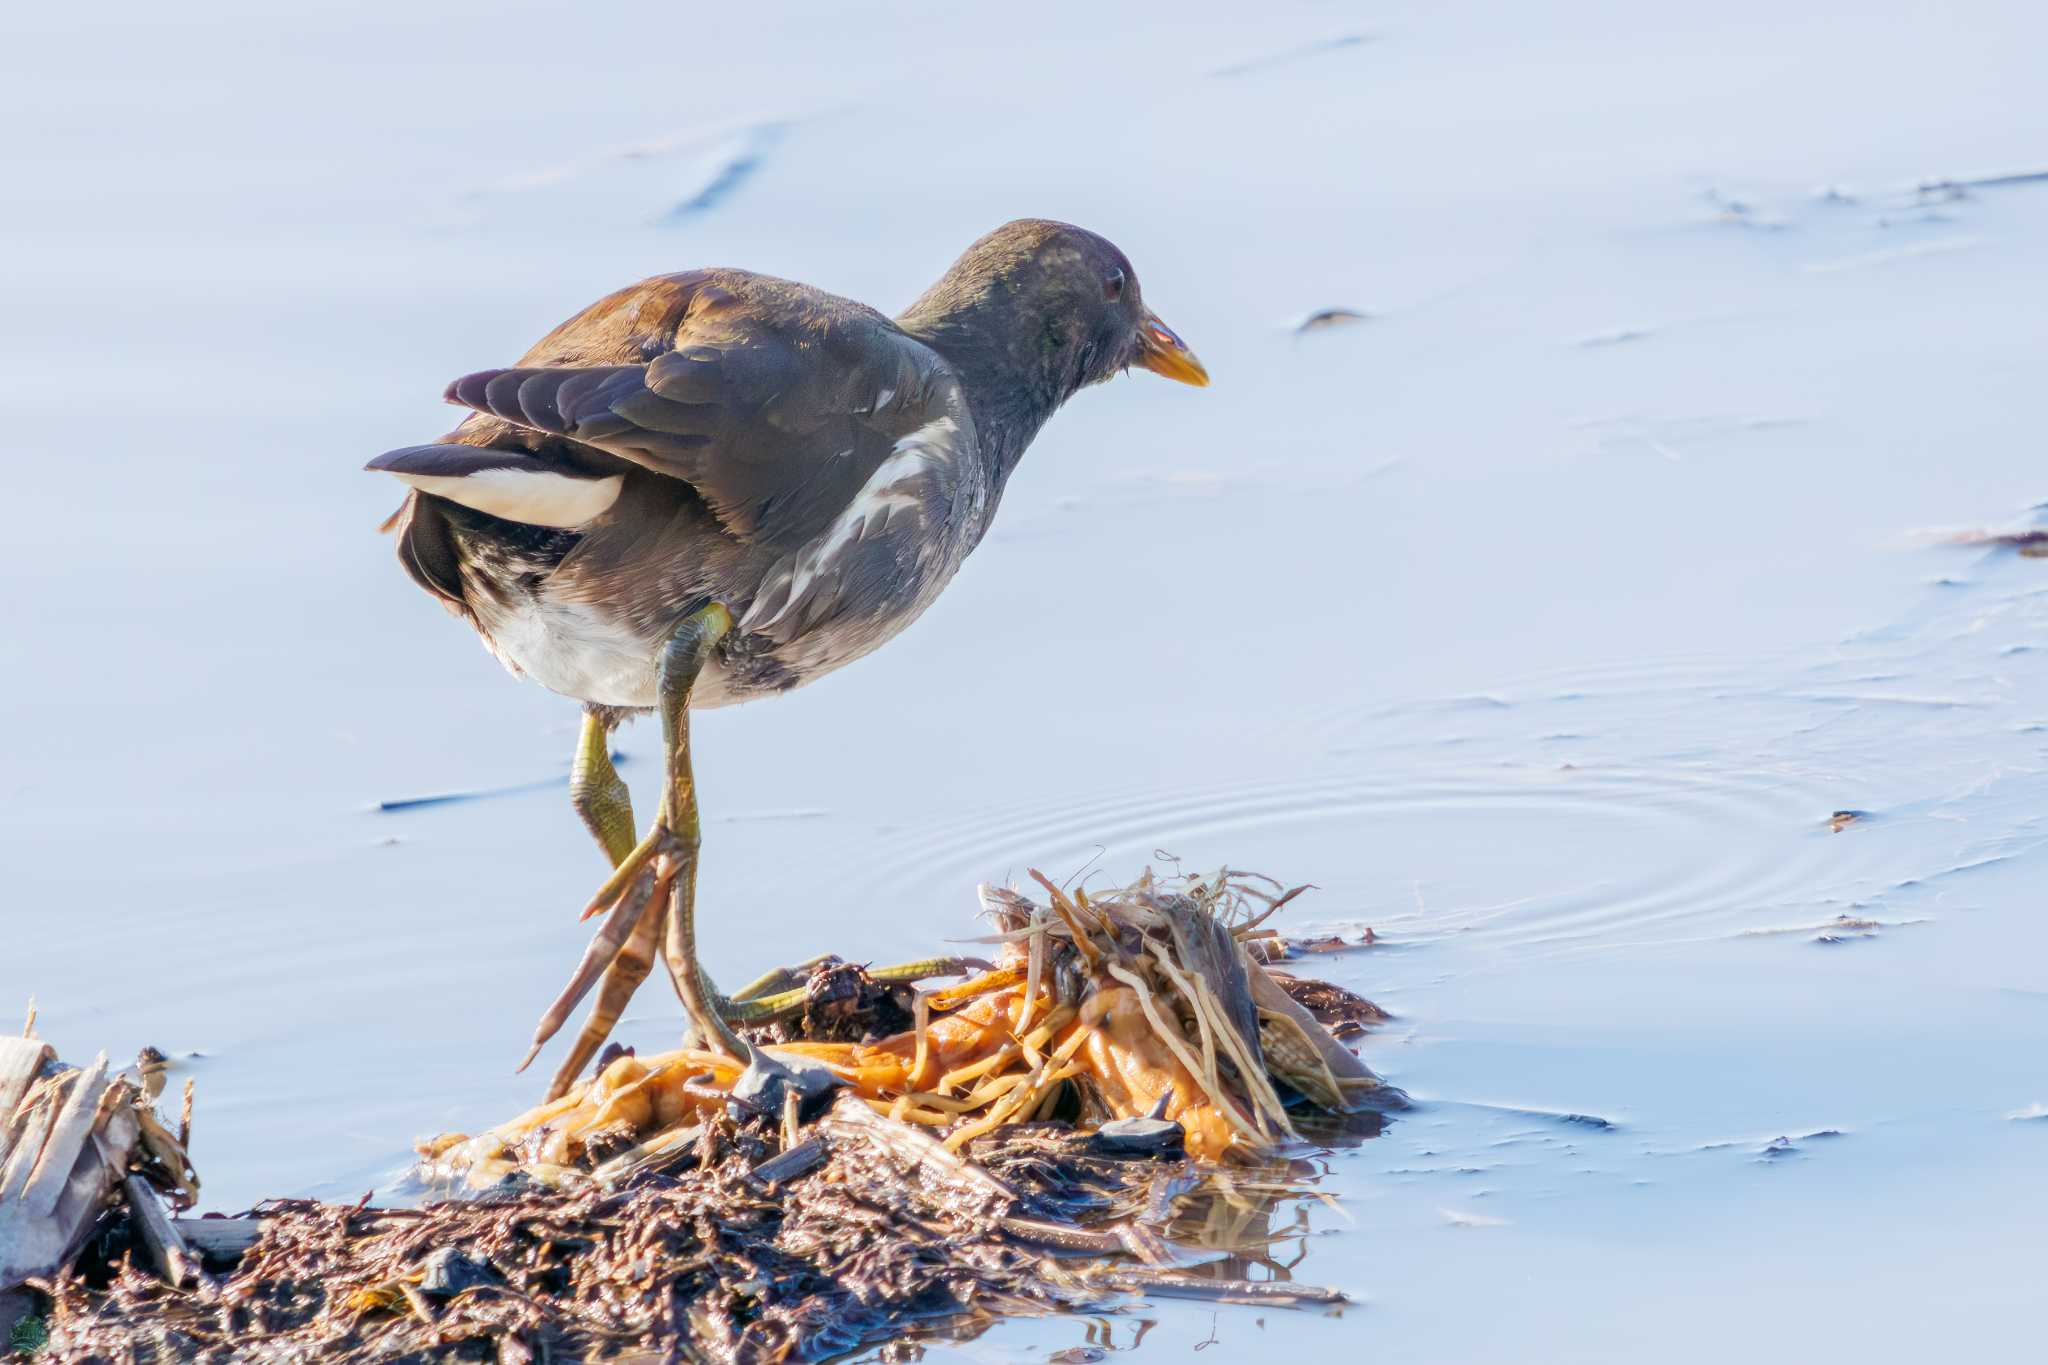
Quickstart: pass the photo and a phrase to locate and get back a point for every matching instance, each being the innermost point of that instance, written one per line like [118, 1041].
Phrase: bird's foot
[661, 845]
[643, 905]
[647, 904]
[782, 992]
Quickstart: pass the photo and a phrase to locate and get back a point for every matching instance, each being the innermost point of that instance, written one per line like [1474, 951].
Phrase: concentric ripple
[1516, 857]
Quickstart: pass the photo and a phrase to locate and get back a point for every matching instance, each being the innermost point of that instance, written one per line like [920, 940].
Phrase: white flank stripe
[892, 488]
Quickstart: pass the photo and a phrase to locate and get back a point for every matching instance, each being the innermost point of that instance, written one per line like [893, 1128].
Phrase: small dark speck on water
[1847, 929]
[2031, 544]
[1778, 1148]
[730, 176]
[1576, 1120]
[481, 794]
[1738, 213]
[1955, 188]
[1619, 337]
[1325, 318]
[1842, 819]
[727, 180]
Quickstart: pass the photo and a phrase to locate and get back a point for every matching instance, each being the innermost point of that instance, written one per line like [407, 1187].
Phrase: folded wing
[808, 425]
[776, 403]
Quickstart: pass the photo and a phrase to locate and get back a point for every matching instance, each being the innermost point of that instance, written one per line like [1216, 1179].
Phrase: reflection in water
[1240, 1223]
[1256, 1219]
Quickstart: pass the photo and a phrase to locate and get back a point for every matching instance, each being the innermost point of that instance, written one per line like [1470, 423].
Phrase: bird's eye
[1113, 285]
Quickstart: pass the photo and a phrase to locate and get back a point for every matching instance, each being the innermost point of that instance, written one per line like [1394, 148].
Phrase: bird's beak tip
[1161, 351]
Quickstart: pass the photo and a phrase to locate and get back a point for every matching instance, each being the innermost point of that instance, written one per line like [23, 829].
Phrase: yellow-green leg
[773, 997]
[599, 794]
[624, 948]
[711, 1013]
[682, 662]
[651, 896]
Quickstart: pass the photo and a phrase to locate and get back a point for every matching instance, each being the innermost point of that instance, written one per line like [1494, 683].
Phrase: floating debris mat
[1088, 1120]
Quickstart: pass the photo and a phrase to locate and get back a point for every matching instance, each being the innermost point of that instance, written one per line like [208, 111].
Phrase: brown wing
[777, 403]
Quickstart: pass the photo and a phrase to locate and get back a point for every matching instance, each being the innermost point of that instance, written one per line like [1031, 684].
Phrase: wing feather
[889, 550]
[775, 402]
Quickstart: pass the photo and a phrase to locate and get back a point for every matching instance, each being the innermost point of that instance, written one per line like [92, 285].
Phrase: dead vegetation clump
[1153, 1001]
[706, 1257]
[1101, 1113]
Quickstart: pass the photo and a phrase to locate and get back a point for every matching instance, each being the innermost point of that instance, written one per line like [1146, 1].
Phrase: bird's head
[1061, 303]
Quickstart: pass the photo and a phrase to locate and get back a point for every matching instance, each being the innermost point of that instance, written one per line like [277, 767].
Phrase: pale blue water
[1542, 619]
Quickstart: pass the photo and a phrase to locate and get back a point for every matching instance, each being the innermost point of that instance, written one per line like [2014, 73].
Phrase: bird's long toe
[628, 968]
[635, 901]
[644, 891]
[660, 839]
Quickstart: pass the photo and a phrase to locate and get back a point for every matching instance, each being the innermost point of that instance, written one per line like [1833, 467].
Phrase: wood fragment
[66, 1141]
[1062, 1236]
[916, 1155]
[21, 1062]
[221, 1240]
[1268, 1292]
[801, 1159]
[156, 1232]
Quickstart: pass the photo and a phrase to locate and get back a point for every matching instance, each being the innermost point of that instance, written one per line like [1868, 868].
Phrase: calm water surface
[1542, 618]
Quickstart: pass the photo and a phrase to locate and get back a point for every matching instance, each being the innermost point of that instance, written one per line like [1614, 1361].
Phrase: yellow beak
[1161, 351]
